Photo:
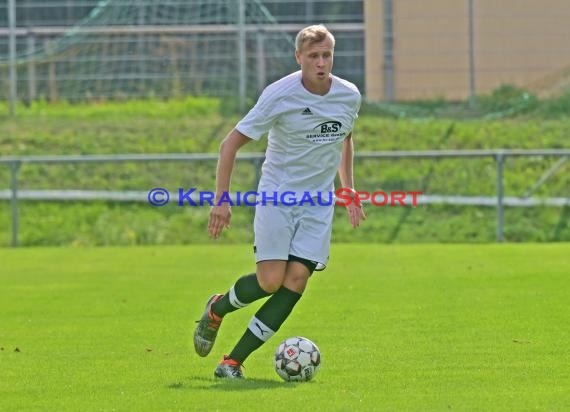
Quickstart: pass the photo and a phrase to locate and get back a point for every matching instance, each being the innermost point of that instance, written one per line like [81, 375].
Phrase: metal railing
[499, 200]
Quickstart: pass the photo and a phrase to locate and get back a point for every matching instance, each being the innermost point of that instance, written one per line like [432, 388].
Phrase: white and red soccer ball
[297, 359]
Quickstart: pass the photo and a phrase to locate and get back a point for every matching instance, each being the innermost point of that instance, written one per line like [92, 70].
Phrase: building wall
[521, 42]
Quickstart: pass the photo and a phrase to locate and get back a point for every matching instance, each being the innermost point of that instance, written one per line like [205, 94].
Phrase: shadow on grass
[248, 384]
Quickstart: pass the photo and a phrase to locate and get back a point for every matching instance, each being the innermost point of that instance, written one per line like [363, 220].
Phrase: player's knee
[270, 282]
[296, 281]
[270, 275]
[270, 286]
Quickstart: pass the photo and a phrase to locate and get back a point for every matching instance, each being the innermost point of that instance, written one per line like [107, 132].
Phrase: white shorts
[303, 231]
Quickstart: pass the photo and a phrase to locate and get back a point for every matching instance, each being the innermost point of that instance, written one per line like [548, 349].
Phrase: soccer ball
[297, 359]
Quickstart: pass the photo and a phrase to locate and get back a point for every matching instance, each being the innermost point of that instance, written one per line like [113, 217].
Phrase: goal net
[151, 48]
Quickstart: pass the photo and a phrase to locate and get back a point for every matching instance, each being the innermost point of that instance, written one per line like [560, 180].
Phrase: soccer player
[309, 116]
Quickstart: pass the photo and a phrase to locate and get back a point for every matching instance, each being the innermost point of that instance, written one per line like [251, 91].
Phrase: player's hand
[220, 217]
[354, 209]
[355, 214]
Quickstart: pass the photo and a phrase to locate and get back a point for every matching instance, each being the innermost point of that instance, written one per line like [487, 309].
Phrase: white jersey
[306, 132]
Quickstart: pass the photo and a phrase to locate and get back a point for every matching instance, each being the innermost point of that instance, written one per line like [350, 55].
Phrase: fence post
[261, 69]
[257, 165]
[31, 67]
[52, 76]
[472, 73]
[13, 75]
[309, 12]
[388, 67]
[500, 159]
[14, 169]
[242, 57]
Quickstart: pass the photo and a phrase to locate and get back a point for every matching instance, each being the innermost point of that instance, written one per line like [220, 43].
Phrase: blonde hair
[313, 34]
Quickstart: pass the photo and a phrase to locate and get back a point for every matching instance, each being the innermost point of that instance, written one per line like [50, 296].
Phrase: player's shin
[265, 323]
[245, 291]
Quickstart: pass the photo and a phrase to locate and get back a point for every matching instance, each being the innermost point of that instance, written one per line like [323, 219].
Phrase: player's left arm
[345, 171]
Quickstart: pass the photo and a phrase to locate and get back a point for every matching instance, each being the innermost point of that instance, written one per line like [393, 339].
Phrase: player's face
[316, 60]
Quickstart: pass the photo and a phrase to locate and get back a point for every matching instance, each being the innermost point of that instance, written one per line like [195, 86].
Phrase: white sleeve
[356, 107]
[261, 117]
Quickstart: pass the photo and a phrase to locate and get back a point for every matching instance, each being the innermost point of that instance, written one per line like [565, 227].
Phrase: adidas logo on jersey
[307, 111]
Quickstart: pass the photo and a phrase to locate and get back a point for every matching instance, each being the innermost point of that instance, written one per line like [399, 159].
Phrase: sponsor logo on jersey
[329, 127]
[307, 111]
[326, 132]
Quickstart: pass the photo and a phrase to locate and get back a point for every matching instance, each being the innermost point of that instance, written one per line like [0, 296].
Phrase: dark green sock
[265, 323]
[245, 291]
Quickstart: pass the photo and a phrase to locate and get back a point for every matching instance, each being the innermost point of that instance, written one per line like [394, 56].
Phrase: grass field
[414, 327]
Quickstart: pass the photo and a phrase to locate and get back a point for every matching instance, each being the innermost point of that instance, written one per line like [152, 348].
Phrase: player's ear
[298, 56]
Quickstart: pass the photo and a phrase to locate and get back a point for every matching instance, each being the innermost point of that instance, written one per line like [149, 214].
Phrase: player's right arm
[253, 126]
[220, 215]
